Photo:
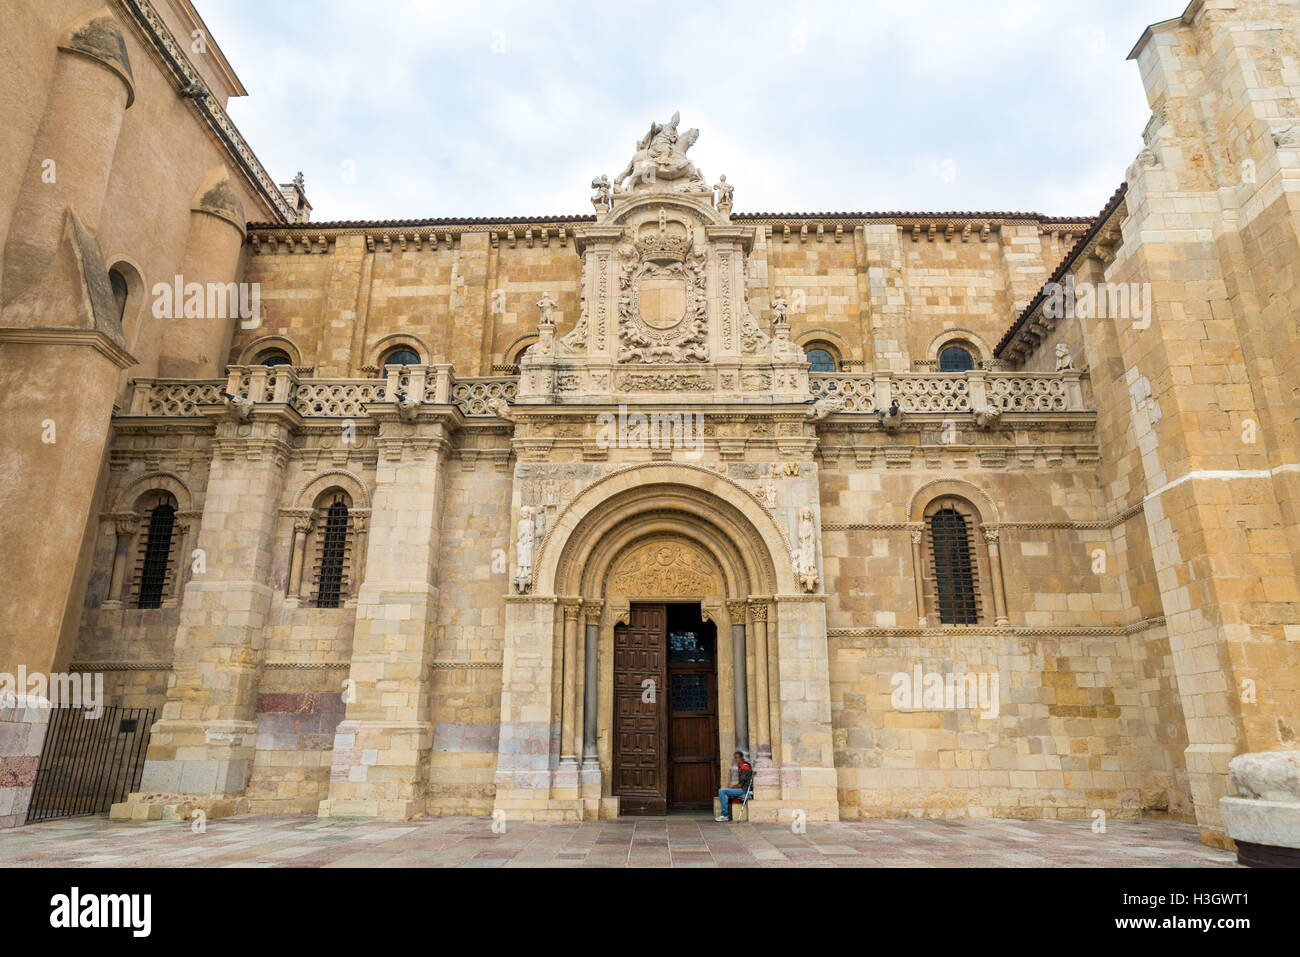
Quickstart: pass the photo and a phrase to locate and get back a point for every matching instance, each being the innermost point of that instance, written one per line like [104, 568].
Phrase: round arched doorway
[641, 658]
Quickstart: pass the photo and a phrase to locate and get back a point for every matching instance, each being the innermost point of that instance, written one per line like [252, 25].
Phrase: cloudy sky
[415, 108]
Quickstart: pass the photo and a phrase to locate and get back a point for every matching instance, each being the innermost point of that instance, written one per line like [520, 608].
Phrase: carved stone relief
[665, 568]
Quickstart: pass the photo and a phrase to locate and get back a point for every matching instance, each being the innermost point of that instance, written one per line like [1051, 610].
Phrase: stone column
[187, 524]
[591, 614]
[381, 748]
[991, 535]
[360, 540]
[72, 157]
[197, 347]
[201, 751]
[918, 573]
[572, 608]
[61, 347]
[740, 689]
[302, 522]
[762, 701]
[124, 525]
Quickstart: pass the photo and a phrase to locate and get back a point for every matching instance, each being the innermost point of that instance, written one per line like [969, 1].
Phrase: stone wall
[22, 735]
[879, 293]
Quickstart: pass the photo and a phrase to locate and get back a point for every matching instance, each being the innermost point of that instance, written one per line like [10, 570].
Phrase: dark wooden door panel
[640, 751]
[692, 714]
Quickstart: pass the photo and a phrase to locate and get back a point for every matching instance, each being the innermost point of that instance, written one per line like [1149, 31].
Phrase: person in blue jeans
[743, 775]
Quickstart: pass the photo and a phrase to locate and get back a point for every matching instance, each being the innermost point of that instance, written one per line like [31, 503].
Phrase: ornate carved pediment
[663, 308]
[665, 568]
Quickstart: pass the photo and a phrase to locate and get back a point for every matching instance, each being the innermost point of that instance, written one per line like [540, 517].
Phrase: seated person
[743, 773]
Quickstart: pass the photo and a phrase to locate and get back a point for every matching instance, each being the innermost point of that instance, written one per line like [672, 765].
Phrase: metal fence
[89, 764]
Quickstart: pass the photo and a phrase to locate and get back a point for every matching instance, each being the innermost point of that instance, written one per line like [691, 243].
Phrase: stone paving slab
[682, 841]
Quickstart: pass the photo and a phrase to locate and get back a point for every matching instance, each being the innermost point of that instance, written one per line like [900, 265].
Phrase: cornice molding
[42, 335]
[189, 84]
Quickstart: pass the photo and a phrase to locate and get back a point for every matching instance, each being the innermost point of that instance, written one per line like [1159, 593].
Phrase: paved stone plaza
[675, 841]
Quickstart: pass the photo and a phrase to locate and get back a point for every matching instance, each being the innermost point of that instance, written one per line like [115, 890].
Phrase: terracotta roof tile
[1098, 221]
[736, 217]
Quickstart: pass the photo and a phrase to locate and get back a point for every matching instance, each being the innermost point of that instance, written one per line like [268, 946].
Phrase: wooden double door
[665, 709]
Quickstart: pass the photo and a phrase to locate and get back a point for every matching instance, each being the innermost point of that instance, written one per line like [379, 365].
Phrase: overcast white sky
[413, 108]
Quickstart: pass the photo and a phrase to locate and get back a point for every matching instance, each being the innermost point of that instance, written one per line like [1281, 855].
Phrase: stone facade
[392, 590]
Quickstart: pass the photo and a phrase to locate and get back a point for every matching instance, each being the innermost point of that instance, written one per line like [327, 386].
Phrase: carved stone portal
[665, 568]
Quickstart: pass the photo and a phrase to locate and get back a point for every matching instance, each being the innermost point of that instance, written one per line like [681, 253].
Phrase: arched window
[953, 562]
[517, 349]
[121, 292]
[274, 357]
[821, 360]
[401, 356]
[155, 557]
[956, 359]
[331, 564]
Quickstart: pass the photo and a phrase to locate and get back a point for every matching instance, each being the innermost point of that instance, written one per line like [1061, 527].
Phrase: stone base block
[1267, 823]
[342, 809]
[146, 806]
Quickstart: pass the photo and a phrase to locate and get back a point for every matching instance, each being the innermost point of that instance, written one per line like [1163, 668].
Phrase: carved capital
[572, 608]
[592, 610]
[124, 523]
[302, 518]
[991, 533]
[758, 609]
[622, 613]
[736, 611]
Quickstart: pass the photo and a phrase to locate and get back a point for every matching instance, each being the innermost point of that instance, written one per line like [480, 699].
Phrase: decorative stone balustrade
[948, 392]
[320, 398]
[942, 392]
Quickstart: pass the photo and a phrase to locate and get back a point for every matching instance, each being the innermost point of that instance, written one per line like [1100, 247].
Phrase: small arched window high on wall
[401, 356]
[821, 360]
[121, 292]
[953, 559]
[956, 359]
[331, 582]
[155, 559]
[274, 357]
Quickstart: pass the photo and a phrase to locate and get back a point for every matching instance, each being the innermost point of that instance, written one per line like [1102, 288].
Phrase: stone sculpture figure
[825, 406]
[240, 407]
[988, 417]
[780, 308]
[892, 418]
[725, 191]
[661, 155]
[601, 198]
[805, 555]
[524, 538]
[547, 305]
[1063, 359]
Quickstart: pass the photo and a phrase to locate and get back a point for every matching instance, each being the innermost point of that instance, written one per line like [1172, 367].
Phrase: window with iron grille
[956, 359]
[333, 556]
[155, 565]
[820, 360]
[954, 568]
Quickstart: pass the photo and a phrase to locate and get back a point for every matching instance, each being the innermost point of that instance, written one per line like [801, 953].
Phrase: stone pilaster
[807, 760]
[201, 751]
[382, 746]
[523, 775]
